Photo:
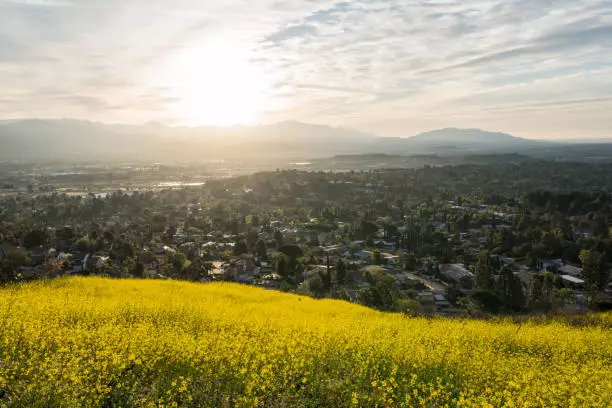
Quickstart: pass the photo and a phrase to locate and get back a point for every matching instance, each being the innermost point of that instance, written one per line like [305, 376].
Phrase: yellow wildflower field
[101, 342]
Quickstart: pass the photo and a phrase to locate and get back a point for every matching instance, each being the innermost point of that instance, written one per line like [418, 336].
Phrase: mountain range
[66, 139]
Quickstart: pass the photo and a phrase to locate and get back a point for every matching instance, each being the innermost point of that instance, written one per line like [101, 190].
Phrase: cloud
[393, 66]
[290, 32]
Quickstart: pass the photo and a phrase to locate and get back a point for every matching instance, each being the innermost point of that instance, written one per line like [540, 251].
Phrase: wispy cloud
[393, 67]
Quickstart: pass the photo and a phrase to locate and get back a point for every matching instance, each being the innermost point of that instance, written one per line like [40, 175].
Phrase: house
[333, 249]
[428, 301]
[63, 256]
[441, 302]
[385, 245]
[550, 265]
[216, 270]
[149, 260]
[570, 270]
[364, 255]
[457, 273]
[572, 281]
[78, 260]
[346, 255]
[52, 253]
[94, 262]
[439, 227]
[390, 259]
[241, 268]
[38, 256]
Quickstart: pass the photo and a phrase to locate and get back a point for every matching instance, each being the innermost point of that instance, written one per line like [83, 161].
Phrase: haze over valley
[82, 141]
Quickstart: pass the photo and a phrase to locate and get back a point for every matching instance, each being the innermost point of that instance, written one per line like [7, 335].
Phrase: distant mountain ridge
[454, 135]
[66, 139]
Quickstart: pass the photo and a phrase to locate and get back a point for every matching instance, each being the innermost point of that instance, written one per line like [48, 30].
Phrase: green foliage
[316, 286]
[66, 233]
[85, 245]
[121, 250]
[376, 258]
[138, 269]
[340, 272]
[483, 278]
[367, 229]
[240, 248]
[261, 250]
[409, 306]
[488, 300]
[10, 263]
[278, 237]
[411, 262]
[382, 292]
[281, 267]
[292, 251]
[34, 238]
[595, 268]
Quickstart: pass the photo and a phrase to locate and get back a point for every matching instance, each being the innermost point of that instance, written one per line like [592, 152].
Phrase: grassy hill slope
[97, 342]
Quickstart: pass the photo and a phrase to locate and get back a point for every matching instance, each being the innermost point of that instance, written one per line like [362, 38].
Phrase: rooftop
[572, 279]
[455, 271]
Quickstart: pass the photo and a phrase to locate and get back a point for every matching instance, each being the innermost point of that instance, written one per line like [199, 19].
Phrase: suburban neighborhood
[322, 235]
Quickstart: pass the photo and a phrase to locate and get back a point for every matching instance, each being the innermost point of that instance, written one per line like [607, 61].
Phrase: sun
[215, 83]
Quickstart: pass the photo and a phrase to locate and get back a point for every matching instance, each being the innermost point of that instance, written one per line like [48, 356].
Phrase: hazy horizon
[392, 68]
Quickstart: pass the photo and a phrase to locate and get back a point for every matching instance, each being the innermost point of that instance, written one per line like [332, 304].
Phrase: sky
[533, 68]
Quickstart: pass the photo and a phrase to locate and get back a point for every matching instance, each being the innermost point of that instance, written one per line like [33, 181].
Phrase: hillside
[85, 141]
[97, 342]
[471, 140]
[451, 135]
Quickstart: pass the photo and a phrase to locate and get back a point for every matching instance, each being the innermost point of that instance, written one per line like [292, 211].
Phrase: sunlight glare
[216, 84]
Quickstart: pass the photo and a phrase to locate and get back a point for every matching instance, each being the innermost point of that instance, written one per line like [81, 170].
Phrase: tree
[595, 268]
[138, 269]
[561, 297]
[260, 249]
[536, 290]
[547, 290]
[367, 229]
[409, 306]
[253, 220]
[10, 263]
[482, 277]
[411, 262]
[240, 248]
[85, 245]
[121, 250]
[326, 276]
[488, 300]
[51, 268]
[340, 272]
[66, 233]
[109, 237]
[278, 237]
[34, 238]
[251, 237]
[177, 262]
[281, 268]
[376, 257]
[292, 251]
[196, 270]
[316, 286]
[382, 293]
